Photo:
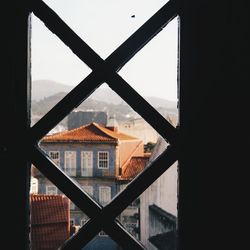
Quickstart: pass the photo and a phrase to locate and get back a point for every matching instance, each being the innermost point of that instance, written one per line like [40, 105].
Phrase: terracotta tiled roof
[91, 132]
[49, 221]
[134, 167]
[49, 208]
[50, 237]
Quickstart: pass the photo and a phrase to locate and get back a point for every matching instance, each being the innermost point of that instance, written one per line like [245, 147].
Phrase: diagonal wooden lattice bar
[103, 71]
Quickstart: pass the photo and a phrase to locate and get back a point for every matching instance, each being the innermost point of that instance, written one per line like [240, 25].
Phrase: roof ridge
[91, 131]
[104, 130]
[66, 131]
[110, 132]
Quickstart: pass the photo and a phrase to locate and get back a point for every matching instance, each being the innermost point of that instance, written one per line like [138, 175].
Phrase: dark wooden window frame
[103, 218]
[213, 53]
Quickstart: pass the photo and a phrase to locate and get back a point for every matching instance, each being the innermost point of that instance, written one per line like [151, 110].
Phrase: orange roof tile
[50, 215]
[49, 237]
[91, 132]
[134, 167]
[48, 208]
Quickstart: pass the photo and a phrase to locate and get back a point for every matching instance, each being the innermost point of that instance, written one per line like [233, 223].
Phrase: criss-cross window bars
[103, 218]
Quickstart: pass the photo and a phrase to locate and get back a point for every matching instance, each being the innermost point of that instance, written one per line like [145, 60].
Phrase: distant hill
[161, 103]
[45, 94]
[111, 97]
[121, 111]
[44, 88]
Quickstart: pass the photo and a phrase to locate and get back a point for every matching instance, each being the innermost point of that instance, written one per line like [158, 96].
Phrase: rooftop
[48, 208]
[50, 216]
[134, 167]
[92, 132]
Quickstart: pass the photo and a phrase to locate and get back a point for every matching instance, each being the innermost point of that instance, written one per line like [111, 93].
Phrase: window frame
[72, 170]
[105, 160]
[89, 169]
[114, 62]
[206, 30]
[110, 66]
[57, 152]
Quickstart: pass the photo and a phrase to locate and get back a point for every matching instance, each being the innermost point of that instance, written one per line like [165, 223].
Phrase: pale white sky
[104, 25]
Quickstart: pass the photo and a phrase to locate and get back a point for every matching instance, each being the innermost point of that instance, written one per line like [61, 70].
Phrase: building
[78, 118]
[102, 160]
[50, 221]
[139, 128]
[158, 207]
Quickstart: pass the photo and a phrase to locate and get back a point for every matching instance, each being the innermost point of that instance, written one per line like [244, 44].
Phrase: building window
[51, 190]
[55, 157]
[103, 159]
[88, 189]
[70, 163]
[104, 195]
[87, 163]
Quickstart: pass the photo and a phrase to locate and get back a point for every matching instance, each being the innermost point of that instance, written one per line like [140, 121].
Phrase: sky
[104, 25]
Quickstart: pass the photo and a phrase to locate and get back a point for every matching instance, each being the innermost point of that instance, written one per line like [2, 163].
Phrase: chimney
[112, 124]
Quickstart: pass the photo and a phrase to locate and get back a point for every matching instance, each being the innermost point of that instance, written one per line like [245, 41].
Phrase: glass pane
[153, 71]
[104, 144]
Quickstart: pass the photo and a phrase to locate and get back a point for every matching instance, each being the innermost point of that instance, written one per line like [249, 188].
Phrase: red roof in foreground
[91, 132]
[134, 167]
[50, 216]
